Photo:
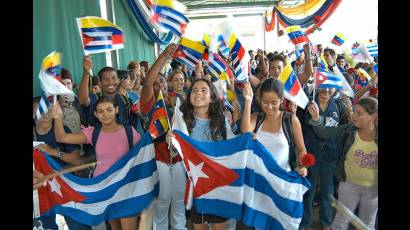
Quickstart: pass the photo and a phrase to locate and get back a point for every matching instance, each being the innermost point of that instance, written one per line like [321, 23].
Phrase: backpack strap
[94, 137]
[259, 121]
[130, 136]
[288, 131]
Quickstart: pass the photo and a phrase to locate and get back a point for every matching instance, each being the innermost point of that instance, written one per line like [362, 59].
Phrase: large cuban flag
[125, 189]
[238, 178]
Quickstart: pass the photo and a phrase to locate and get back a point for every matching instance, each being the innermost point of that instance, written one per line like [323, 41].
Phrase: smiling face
[106, 112]
[270, 102]
[178, 82]
[200, 94]
[109, 82]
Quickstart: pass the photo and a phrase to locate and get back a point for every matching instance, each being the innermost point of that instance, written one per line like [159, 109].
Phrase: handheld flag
[169, 15]
[217, 68]
[292, 89]
[52, 86]
[125, 189]
[178, 120]
[222, 47]
[339, 39]
[43, 106]
[206, 40]
[159, 124]
[189, 52]
[297, 36]
[240, 59]
[325, 79]
[261, 193]
[99, 35]
[52, 65]
[346, 89]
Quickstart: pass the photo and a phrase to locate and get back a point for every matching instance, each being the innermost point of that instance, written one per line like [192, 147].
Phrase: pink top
[110, 147]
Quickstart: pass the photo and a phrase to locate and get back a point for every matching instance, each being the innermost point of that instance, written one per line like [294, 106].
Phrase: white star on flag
[195, 171]
[320, 78]
[55, 186]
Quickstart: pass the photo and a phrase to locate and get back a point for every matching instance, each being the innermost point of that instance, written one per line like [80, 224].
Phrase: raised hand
[87, 64]
[313, 110]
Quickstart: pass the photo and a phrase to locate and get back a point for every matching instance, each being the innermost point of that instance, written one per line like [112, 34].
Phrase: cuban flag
[43, 106]
[99, 35]
[169, 15]
[238, 178]
[189, 52]
[292, 88]
[125, 189]
[338, 39]
[52, 65]
[324, 79]
[373, 50]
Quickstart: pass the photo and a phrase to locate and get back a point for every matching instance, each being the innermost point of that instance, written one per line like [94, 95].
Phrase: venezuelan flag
[296, 35]
[159, 124]
[99, 35]
[292, 88]
[339, 39]
[240, 65]
[206, 40]
[52, 65]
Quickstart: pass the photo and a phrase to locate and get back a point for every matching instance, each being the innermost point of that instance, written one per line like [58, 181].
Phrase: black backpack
[287, 130]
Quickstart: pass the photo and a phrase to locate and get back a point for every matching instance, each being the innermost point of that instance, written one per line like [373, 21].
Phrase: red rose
[307, 160]
[351, 71]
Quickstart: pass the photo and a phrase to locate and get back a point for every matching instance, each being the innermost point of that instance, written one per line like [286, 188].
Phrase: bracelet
[247, 97]
[59, 154]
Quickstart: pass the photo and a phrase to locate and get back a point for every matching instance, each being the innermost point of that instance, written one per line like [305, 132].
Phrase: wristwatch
[59, 154]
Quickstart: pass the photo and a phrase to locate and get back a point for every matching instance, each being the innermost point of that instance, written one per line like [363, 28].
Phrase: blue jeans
[324, 171]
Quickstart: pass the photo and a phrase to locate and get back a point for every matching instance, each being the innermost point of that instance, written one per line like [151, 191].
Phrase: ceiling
[211, 8]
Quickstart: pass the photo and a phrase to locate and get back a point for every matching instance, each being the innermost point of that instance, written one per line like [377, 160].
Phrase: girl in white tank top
[277, 145]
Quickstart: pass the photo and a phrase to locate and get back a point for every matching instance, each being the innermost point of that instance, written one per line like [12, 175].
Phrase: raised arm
[304, 77]
[61, 135]
[84, 91]
[363, 90]
[148, 87]
[248, 123]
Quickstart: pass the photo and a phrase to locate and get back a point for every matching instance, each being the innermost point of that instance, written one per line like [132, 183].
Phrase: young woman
[111, 145]
[271, 128]
[357, 168]
[204, 116]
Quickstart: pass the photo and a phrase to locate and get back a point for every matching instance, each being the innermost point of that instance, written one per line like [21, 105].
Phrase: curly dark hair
[215, 112]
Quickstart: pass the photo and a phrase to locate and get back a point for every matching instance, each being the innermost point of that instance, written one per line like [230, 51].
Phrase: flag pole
[314, 84]
[68, 170]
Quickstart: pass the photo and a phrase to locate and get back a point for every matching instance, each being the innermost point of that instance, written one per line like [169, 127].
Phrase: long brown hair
[215, 112]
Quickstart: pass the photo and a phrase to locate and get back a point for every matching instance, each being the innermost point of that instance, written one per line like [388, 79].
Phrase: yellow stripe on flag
[230, 95]
[224, 76]
[172, 4]
[340, 35]
[206, 39]
[283, 77]
[53, 59]
[291, 29]
[232, 40]
[164, 124]
[198, 47]
[92, 22]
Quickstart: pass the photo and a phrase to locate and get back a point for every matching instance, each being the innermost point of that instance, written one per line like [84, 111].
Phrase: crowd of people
[110, 113]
